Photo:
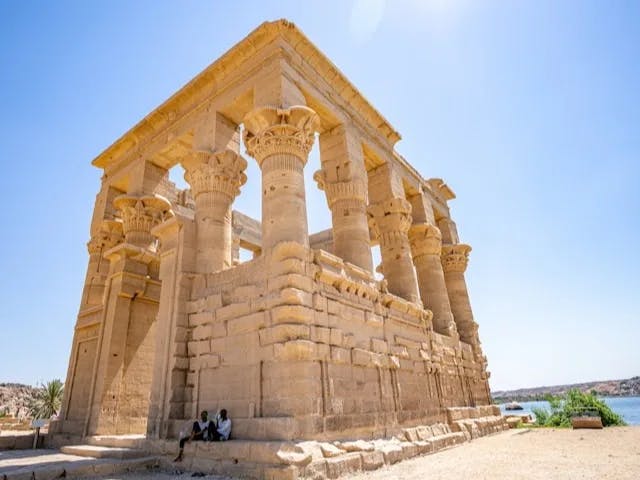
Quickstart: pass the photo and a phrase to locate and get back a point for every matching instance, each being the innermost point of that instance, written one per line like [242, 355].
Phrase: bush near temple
[574, 402]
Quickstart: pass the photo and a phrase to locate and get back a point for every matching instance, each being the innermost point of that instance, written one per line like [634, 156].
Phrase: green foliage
[48, 400]
[574, 402]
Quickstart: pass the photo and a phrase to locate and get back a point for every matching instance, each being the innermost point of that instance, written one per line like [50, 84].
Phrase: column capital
[336, 191]
[140, 215]
[109, 235]
[271, 130]
[425, 239]
[389, 218]
[455, 257]
[221, 172]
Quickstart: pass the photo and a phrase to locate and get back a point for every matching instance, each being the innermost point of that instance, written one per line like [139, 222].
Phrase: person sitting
[203, 429]
[223, 427]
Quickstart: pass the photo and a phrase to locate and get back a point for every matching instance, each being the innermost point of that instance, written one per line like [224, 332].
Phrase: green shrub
[574, 402]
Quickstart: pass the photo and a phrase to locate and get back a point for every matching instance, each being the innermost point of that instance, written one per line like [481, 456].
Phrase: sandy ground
[612, 453]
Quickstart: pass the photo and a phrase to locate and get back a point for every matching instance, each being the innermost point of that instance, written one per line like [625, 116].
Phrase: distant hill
[610, 388]
[15, 400]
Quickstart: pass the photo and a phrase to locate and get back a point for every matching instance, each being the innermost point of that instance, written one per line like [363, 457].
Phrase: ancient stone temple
[305, 340]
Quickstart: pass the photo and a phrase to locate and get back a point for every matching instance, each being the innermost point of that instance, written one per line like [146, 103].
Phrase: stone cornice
[455, 257]
[204, 82]
[272, 130]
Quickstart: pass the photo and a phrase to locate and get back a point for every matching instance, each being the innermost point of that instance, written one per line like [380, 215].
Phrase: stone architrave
[390, 222]
[454, 263]
[215, 180]
[426, 245]
[280, 139]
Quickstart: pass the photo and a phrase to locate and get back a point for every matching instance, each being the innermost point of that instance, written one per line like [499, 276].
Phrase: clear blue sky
[530, 110]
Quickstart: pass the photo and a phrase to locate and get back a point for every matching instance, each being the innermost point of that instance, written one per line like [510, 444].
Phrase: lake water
[627, 407]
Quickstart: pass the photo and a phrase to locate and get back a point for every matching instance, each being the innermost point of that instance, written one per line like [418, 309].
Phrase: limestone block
[409, 450]
[348, 341]
[424, 433]
[292, 314]
[286, 473]
[196, 306]
[336, 337]
[329, 450]
[198, 347]
[379, 346]
[295, 296]
[209, 361]
[295, 350]
[357, 446]
[361, 357]
[320, 334]
[373, 319]
[246, 323]
[319, 302]
[424, 446]
[399, 351]
[233, 310]
[410, 434]
[214, 301]
[344, 464]
[201, 332]
[323, 351]
[372, 460]
[218, 330]
[340, 355]
[301, 282]
[197, 319]
[283, 332]
[392, 453]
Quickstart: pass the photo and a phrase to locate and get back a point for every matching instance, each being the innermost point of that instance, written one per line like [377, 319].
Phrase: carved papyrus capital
[140, 214]
[425, 239]
[390, 220]
[455, 257]
[109, 235]
[341, 191]
[272, 130]
[221, 172]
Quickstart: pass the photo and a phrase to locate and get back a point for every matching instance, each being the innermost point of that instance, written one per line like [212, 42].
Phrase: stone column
[348, 204]
[120, 393]
[139, 216]
[454, 263]
[390, 221]
[280, 140]
[109, 235]
[426, 245]
[215, 180]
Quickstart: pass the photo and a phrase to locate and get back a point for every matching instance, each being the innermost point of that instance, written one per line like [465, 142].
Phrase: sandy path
[612, 453]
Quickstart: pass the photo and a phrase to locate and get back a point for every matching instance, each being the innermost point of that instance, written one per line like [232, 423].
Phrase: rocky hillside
[610, 388]
[15, 399]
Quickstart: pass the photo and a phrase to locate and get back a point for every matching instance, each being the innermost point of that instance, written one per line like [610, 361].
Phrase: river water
[627, 407]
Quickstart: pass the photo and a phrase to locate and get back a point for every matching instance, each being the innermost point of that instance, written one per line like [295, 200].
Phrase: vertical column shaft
[280, 140]
[390, 220]
[426, 248]
[215, 180]
[454, 263]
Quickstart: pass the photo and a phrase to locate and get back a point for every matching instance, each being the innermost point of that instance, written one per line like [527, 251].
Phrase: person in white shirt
[203, 429]
[223, 427]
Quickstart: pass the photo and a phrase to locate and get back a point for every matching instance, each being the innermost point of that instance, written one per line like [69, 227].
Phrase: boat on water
[513, 406]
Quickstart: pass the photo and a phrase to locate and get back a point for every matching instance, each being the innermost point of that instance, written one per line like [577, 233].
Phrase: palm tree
[48, 400]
